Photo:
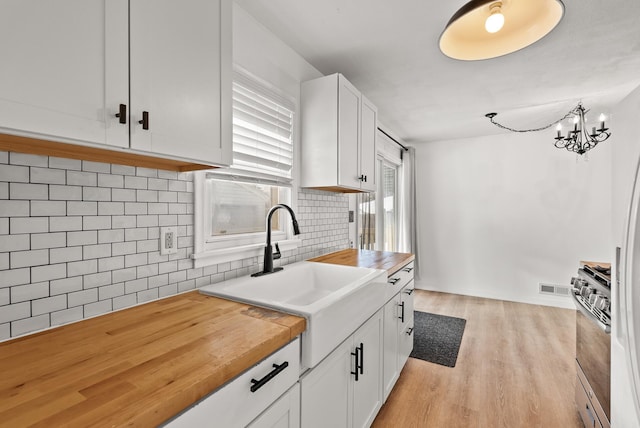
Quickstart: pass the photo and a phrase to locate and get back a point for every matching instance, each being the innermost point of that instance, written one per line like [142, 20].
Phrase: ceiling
[389, 50]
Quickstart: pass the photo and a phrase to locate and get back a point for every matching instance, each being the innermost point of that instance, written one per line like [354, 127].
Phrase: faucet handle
[276, 254]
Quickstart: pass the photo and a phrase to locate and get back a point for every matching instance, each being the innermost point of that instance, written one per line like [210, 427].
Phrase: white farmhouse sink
[334, 299]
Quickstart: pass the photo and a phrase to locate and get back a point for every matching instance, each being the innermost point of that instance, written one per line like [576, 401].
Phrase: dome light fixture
[484, 29]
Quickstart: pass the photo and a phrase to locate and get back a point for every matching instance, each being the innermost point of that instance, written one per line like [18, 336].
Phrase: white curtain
[408, 241]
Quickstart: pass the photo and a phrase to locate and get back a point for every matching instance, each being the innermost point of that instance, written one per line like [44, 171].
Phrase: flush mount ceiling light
[484, 29]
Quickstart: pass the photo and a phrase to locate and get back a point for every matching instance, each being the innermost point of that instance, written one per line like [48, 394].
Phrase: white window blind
[262, 132]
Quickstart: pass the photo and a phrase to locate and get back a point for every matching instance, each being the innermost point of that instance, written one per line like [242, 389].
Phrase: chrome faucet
[269, 255]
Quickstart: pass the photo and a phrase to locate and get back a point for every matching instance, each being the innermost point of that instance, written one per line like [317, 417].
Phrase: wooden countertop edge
[161, 383]
[387, 260]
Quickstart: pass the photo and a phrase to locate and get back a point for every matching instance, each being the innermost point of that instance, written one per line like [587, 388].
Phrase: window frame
[229, 248]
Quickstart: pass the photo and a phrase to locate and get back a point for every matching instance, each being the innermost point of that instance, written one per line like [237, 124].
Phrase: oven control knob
[585, 291]
[593, 298]
[602, 302]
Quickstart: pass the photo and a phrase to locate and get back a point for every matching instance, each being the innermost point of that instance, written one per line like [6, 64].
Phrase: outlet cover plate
[168, 240]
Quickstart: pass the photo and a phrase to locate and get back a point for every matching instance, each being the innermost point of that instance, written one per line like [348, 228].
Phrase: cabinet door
[64, 69]
[284, 413]
[348, 134]
[369, 125]
[390, 371]
[180, 72]
[326, 392]
[367, 391]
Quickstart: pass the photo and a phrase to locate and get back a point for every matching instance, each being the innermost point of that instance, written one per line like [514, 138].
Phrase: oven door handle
[586, 313]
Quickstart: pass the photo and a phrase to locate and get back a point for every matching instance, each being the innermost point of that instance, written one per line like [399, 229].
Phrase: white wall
[500, 214]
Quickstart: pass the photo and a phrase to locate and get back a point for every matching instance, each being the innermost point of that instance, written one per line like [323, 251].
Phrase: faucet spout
[268, 251]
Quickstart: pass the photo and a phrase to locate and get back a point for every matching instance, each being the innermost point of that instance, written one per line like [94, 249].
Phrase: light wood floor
[515, 369]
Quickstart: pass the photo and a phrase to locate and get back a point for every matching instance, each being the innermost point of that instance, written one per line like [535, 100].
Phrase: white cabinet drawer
[402, 276]
[234, 404]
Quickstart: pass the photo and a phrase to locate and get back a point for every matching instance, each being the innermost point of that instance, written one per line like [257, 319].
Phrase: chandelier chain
[571, 113]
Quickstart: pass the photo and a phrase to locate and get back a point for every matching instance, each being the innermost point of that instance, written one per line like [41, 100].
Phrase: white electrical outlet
[168, 240]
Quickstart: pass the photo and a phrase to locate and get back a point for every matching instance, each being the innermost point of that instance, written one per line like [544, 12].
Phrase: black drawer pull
[145, 120]
[357, 366]
[122, 114]
[402, 313]
[409, 291]
[393, 281]
[257, 384]
[361, 358]
[409, 269]
[409, 331]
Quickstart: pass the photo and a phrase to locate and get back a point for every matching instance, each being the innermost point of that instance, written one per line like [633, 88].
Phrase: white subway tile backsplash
[110, 291]
[14, 209]
[16, 158]
[65, 193]
[83, 297]
[122, 275]
[48, 305]
[20, 259]
[97, 222]
[29, 325]
[80, 208]
[60, 224]
[47, 273]
[123, 195]
[15, 312]
[97, 280]
[48, 208]
[5, 329]
[82, 268]
[109, 215]
[124, 301]
[80, 178]
[65, 285]
[15, 174]
[135, 285]
[96, 166]
[24, 293]
[14, 243]
[67, 316]
[98, 308]
[47, 175]
[4, 157]
[67, 254]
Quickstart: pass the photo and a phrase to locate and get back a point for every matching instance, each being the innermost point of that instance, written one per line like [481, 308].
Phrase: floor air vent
[557, 290]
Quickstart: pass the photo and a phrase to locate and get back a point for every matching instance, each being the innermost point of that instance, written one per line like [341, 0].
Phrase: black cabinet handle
[408, 269]
[393, 281]
[356, 372]
[365, 178]
[361, 347]
[402, 313]
[361, 177]
[122, 114]
[409, 291]
[409, 331]
[257, 384]
[145, 120]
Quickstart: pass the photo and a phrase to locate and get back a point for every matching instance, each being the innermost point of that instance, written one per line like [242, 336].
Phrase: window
[377, 227]
[234, 201]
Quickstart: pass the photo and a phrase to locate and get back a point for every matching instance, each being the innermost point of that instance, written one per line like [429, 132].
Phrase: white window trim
[205, 255]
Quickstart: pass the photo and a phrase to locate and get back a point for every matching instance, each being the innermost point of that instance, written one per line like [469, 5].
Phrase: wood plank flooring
[515, 369]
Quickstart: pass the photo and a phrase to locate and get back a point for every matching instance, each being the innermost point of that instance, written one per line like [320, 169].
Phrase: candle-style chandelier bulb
[495, 20]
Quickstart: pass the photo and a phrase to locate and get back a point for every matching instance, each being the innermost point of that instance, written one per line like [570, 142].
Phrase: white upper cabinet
[338, 136]
[84, 71]
[64, 69]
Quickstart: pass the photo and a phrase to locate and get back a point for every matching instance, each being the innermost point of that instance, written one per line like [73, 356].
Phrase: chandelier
[578, 140]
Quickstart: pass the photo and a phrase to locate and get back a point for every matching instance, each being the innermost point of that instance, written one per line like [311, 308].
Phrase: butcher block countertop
[135, 367]
[391, 262]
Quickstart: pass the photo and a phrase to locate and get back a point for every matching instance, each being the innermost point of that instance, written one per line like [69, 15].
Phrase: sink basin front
[334, 299]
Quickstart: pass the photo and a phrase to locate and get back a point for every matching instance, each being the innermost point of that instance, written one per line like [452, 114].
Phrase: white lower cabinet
[345, 389]
[398, 330]
[240, 401]
[284, 413]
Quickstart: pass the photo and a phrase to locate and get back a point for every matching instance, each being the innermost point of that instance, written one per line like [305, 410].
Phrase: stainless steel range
[592, 297]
